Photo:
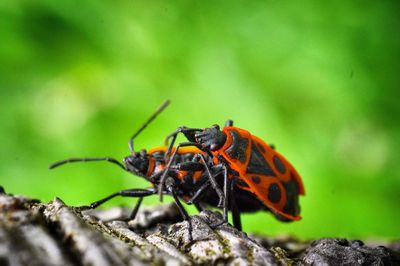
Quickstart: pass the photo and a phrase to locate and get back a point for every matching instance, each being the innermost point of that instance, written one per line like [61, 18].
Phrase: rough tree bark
[33, 233]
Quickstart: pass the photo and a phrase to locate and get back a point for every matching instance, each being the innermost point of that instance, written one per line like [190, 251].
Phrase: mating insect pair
[252, 174]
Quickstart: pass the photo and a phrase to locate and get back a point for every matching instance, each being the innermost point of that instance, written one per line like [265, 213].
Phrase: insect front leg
[134, 193]
[171, 138]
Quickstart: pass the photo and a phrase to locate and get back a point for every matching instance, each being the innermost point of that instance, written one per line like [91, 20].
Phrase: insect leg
[188, 132]
[194, 165]
[134, 193]
[75, 160]
[182, 211]
[171, 159]
[197, 196]
[170, 185]
[170, 145]
[227, 184]
[184, 130]
[136, 209]
[212, 181]
[234, 209]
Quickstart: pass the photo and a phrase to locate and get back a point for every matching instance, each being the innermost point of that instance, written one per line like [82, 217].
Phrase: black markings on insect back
[241, 183]
[292, 197]
[279, 164]
[274, 193]
[256, 179]
[262, 149]
[258, 164]
[237, 150]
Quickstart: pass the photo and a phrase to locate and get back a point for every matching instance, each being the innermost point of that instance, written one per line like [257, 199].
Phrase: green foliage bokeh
[319, 79]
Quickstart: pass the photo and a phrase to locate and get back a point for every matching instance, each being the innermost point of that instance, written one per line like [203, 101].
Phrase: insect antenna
[151, 118]
[109, 159]
[75, 160]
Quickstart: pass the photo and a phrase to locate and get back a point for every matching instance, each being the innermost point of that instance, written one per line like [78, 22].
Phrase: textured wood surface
[33, 233]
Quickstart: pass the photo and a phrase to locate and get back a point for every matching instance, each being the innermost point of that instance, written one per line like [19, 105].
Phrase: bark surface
[33, 233]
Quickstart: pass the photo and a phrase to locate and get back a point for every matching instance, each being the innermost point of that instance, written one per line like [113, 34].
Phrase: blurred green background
[319, 79]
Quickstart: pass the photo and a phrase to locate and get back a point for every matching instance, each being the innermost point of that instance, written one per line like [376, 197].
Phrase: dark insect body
[258, 177]
[189, 176]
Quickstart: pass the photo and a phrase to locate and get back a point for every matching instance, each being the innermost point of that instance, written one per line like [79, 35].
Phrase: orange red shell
[265, 172]
[183, 150]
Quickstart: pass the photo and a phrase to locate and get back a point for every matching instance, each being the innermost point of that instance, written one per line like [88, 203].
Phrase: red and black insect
[189, 175]
[255, 175]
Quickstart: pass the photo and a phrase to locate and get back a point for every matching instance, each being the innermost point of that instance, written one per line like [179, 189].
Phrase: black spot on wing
[258, 164]
[256, 179]
[292, 197]
[237, 150]
[274, 193]
[279, 164]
